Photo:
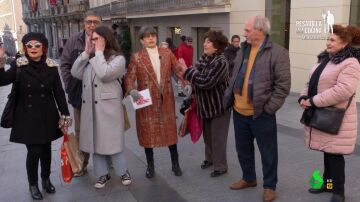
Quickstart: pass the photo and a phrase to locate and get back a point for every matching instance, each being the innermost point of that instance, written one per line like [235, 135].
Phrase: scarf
[239, 82]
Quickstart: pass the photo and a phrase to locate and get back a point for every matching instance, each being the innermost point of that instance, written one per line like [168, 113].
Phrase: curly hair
[218, 39]
[348, 34]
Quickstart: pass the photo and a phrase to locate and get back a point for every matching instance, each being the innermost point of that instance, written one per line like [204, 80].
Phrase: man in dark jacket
[74, 46]
[258, 88]
[231, 50]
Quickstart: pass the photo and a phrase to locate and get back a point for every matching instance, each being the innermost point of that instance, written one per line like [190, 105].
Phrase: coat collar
[146, 62]
[22, 62]
[340, 56]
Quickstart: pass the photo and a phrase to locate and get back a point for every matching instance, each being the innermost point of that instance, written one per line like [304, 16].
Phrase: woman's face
[149, 40]
[334, 44]
[34, 50]
[209, 48]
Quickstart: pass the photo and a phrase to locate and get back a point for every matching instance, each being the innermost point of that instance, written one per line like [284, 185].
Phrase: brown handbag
[72, 149]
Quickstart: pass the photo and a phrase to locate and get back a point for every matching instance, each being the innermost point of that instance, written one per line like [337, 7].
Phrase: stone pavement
[296, 164]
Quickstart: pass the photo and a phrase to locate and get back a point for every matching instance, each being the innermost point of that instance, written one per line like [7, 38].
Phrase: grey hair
[92, 13]
[262, 23]
[144, 30]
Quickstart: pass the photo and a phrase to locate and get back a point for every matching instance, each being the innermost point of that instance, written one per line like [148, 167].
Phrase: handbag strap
[349, 102]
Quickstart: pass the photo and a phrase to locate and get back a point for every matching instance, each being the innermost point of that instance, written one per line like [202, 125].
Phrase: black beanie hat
[35, 36]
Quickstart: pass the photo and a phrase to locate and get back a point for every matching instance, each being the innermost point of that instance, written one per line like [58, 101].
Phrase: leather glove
[135, 94]
[187, 90]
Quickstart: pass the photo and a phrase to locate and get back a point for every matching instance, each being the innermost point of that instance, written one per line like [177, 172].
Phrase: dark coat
[37, 96]
[230, 54]
[74, 46]
[272, 78]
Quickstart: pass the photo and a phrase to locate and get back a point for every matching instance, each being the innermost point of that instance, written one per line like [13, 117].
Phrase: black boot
[35, 192]
[321, 190]
[175, 164]
[47, 186]
[150, 170]
[337, 198]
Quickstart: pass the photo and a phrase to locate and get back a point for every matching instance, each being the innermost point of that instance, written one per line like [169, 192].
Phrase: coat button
[95, 85]
[29, 95]
[95, 102]
[84, 86]
[42, 85]
[42, 95]
[83, 101]
[29, 105]
[28, 85]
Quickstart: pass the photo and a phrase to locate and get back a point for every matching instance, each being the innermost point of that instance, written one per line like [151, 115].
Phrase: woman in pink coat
[333, 81]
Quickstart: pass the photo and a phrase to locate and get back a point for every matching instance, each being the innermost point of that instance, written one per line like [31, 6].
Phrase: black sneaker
[321, 190]
[126, 178]
[102, 181]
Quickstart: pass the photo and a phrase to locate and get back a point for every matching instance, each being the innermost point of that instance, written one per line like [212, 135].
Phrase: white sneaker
[126, 178]
[102, 181]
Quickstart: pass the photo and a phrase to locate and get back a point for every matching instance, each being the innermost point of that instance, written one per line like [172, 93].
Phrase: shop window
[355, 13]
[278, 12]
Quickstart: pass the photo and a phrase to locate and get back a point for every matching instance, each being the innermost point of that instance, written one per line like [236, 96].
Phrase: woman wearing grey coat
[101, 67]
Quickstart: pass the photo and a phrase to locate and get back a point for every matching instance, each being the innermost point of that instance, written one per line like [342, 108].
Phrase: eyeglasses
[94, 39]
[89, 22]
[36, 45]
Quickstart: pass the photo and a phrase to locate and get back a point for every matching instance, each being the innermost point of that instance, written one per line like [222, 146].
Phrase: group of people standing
[250, 81]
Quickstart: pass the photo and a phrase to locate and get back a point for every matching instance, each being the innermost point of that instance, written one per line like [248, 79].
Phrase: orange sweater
[241, 104]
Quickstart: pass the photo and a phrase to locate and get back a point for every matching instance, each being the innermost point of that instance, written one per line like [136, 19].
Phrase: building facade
[57, 19]
[12, 27]
[298, 25]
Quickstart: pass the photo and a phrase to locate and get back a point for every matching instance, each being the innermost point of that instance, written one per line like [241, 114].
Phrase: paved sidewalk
[296, 164]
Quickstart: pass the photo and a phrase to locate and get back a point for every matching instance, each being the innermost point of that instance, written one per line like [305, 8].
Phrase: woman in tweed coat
[151, 68]
[209, 80]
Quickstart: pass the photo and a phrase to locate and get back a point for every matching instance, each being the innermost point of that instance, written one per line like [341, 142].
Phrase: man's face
[90, 23]
[236, 42]
[189, 42]
[250, 33]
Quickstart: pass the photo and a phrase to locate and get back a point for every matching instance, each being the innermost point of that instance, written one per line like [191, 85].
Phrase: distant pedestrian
[186, 52]
[258, 88]
[170, 42]
[231, 51]
[333, 82]
[41, 111]
[164, 44]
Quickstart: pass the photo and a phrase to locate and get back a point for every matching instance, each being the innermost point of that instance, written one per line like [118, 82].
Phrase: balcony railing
[143, 6]
[81, 7]
[116, 8]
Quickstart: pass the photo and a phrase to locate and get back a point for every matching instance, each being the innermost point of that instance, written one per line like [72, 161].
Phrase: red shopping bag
[195, 124]
[66, 170]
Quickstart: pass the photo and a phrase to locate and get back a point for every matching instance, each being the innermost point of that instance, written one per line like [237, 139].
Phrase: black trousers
[35, 153]
[149, 152]
[334, 171]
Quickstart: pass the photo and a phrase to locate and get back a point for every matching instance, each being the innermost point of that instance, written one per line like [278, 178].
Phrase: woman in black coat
[39, 98]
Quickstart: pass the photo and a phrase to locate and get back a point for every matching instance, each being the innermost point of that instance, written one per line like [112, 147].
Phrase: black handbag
[328, 119]
[74, 92]
[7, 117]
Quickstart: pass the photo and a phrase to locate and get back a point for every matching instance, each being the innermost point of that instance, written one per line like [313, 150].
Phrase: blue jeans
[263, 129]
